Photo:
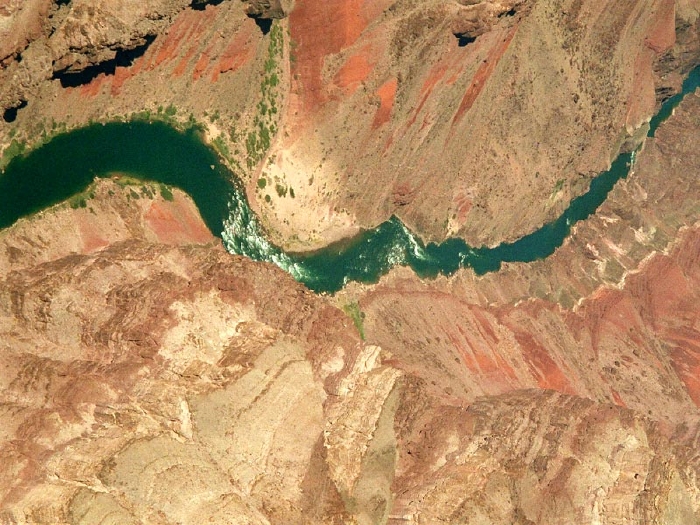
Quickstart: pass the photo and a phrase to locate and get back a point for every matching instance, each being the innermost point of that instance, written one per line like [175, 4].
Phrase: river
[154, 151]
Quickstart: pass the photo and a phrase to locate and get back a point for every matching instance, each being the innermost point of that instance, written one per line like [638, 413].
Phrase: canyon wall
[156, 379]
[475, 119]
[147, 376]
[150, 377]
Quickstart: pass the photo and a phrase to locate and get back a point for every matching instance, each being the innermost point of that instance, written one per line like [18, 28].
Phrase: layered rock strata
[174, 383]
[374, 108]
[154, 383]
[149, 377]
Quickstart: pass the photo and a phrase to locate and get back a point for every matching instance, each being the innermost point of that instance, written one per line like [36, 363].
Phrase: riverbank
[153, 150]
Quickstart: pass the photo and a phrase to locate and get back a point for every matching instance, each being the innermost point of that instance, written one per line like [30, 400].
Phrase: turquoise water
[154, 151]
[151, 151]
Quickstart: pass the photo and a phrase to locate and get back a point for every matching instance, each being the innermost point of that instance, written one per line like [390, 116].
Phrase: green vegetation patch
[15, 148]
[221, 147]
[259, 139]
[79, 200]
[352, 310]
[166, 193]
[123, 180]
[167, 115]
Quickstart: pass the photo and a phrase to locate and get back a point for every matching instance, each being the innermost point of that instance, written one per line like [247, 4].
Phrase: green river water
[154, 151]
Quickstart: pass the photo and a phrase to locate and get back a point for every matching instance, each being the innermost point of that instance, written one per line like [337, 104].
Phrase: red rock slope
[388, 114]
[147, 383]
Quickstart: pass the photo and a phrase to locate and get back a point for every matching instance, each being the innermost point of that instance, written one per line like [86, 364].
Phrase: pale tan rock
[93, 32]
[538, 466]
[21, 21]
[351, 423]
[149, 377]
[262, 430]
[153, 383]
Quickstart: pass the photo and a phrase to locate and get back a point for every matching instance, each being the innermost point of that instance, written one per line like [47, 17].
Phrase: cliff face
[610, 316]
[635, 346]
[476, 119]
[169, 351]
[169, 382]
[392, 113]
[163, 383]
[146, 376]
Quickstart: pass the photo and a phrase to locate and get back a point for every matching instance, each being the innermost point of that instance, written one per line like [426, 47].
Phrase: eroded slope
[146, 382]
[475, 119]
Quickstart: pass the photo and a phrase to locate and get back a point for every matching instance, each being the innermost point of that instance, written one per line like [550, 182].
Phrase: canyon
[376, 108]
[148, 376]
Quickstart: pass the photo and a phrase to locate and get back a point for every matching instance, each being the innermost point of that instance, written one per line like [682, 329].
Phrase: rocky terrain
[476, 119]
[150, 377]
[471, 140]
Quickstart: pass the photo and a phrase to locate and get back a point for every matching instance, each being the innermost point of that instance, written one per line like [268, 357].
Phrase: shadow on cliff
[123, 58]
[201, 5]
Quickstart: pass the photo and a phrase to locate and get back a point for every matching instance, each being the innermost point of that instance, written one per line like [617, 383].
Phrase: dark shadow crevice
[265, 24]
[201, 5]
[10, 114]
[464, 40]
[123, 58]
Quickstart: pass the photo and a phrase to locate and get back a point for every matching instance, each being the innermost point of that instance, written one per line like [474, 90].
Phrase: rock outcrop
[151, 378]
[94, 32]
[71, 37]
[146, 382]
[21, 22]
[393, 116]
[378, 108]
[140, 351]
[265, 9]
[609, 316]
[146, 376]
[478, 17]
